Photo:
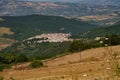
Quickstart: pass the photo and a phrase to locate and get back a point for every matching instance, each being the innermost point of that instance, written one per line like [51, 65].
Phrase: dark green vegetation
[23, 52]
[38, 50]
[27, 26]
[115, 29]
[80, 45]
[112, 40]
[1, 77]
[7, 59]
[36, 64]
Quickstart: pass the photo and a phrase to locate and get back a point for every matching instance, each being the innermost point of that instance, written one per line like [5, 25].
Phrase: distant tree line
[7, 59]
[80, 45]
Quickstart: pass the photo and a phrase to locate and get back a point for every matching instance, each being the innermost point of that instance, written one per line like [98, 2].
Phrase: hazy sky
[46, 0]
[39, 0]
[51, 0]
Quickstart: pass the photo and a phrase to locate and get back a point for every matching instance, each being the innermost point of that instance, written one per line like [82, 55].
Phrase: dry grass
[98, 17]
[2, 46]
[4, 30]
[93, 65]
[1, 19]
[98, 53]
[67, 71]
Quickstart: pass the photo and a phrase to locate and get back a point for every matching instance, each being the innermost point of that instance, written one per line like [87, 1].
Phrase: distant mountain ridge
[72, 8]
[105, 2]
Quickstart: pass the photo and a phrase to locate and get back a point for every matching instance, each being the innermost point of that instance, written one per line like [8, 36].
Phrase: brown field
[5, 42]
[92, 64]
[4, 30]
[2, 46]
[98, 17]
[1, 19]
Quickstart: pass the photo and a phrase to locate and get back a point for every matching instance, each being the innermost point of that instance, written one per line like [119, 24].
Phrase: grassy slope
[27, 26]
[85, 55]
[68, 67]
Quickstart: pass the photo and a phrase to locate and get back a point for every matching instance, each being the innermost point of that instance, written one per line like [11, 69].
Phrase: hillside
[4, 42]
[4, 30]
[86, 55]
[93, 65]
[27, 26]
[103, 31]
[39, 51]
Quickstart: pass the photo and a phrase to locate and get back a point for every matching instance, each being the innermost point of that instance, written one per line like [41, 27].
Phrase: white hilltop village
[52, 37]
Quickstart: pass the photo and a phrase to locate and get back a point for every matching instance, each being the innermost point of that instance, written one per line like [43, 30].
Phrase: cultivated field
[4, 30]
[4, 42]
[98, 17]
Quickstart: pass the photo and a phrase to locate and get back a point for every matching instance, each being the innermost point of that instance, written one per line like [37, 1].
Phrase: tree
[76, 46]
[36, 64]
[8, 58]
[112, 39]
[21, 58]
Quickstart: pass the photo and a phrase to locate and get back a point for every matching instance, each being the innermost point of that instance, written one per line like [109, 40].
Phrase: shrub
[21, 58]
[2, 67]
[76, 46]
[11, 78]
[80, 45]
[1, 77]
[117, 71]
[36, 64]
[7, 58]
[112, 39]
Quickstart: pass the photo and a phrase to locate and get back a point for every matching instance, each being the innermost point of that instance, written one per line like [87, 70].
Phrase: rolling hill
[103, 31]
[64, 8]
[24, 27]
